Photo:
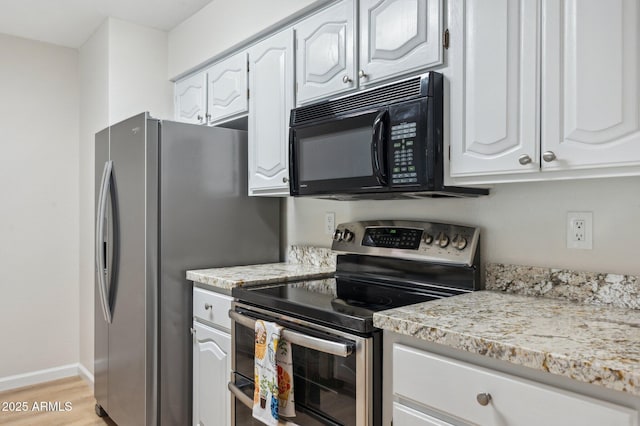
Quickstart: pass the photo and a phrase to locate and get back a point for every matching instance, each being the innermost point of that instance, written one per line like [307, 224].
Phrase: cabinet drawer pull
[548, 156]
[362, 74]
[207, 306]
[346, 79]
[483, 398]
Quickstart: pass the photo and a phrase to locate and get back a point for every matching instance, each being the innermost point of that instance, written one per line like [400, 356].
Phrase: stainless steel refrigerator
[169, 197]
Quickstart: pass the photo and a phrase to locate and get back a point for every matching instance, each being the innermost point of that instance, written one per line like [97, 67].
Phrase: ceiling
[71, 22]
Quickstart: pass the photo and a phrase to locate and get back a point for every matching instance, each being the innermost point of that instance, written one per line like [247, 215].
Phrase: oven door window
[324, 385]
[340, 155]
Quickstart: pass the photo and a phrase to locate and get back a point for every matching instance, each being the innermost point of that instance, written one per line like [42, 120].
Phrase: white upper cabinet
[571, 110]
[590, 83]
[271, 82]
[227, 88]
[191, 99]
[398, 37]
[494, 86]
[325, 52]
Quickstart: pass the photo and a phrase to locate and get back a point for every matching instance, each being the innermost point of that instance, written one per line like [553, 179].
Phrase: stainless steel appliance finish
[356, 353]
[382, 264]
[171, 197]
[436, 242]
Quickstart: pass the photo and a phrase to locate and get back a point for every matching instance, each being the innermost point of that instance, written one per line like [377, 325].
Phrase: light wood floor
[73, 390]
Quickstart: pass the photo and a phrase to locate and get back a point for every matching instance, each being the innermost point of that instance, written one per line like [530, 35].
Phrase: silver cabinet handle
[199, 117]
[192, 330]
[285, 180]
[362, 74]
[524, 159]
[346, 79]
[483, 398]
[240, 396]
[105, 187]
[207, 306]
[548, 156]
[293, 337]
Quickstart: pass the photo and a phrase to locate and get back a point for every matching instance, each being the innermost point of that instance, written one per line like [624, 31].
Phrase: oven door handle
[240, 396]
[325, 346]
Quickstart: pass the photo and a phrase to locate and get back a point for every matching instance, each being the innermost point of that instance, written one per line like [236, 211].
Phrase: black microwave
[384, 142]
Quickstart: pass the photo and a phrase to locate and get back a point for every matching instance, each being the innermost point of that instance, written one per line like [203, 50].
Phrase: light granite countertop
[305, 262]
[234, 276]
[589, 343]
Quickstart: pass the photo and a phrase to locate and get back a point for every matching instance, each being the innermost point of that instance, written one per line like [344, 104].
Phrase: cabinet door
[405, 416]
[590, 83]
[270, 102]
[191, 99]
[227, 85]
[211, 373]
[399, 37]
[325, 53]
[494, 89]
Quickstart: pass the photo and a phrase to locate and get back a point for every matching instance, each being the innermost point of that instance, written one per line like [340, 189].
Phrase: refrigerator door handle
[100, 252]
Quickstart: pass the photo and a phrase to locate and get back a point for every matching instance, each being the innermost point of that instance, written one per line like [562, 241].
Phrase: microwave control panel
[403, 137]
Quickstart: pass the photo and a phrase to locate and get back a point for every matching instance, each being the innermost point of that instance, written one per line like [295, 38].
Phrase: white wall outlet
[580, 230]
[329, 223]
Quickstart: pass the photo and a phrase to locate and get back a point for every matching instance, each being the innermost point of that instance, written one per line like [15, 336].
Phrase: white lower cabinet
[211, 362]
[406, 416]
[430, 389]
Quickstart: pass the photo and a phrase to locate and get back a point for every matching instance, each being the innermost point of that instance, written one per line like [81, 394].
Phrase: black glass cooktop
[345, 304]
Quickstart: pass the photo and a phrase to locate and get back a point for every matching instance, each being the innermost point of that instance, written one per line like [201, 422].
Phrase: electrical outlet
[580, 230]
[329, 223]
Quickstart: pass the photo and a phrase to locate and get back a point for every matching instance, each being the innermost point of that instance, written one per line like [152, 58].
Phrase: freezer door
[131, 370]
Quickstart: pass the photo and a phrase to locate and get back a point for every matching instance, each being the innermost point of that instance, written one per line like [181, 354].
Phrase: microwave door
[340, 156]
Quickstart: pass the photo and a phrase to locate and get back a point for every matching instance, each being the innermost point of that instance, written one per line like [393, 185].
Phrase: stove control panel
[426, 241]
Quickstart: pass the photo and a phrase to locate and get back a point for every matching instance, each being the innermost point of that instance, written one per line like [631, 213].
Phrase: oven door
[334, 378]
[343, 155]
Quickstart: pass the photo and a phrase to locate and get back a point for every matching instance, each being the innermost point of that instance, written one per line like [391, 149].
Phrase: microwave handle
[378, 147]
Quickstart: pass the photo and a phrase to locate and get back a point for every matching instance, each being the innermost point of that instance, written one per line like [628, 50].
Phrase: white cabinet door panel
[399, 37]
[325, 53]
[227, 85]
[191, 99]
[405, 416]
[494, 89]
[270, 102]
[591, 82]
[211, 373]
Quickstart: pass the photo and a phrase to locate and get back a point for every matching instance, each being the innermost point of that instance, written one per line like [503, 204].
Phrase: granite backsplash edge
[622, 291]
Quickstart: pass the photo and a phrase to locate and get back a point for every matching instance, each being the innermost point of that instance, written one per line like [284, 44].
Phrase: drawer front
[452, 387]
[212, 307]
[405, 416]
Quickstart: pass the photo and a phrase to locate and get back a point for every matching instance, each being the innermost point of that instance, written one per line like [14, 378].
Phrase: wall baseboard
[86, 375]
[41, 376]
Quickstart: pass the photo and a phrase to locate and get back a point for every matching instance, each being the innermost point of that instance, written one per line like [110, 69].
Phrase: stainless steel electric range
[337, 352]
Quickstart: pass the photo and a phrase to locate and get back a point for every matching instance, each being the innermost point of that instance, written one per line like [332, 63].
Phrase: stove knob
[337, 235]
[347, 235]
[459, 242]
[428, 238]
[442, 240]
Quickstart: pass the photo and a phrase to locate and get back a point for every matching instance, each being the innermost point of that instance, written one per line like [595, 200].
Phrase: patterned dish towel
[273, 371]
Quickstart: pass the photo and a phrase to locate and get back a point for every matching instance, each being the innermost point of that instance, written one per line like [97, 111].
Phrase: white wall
[94, 116]
[137, 77]
[222, 24]
[521, 223]
[122, 73]
[39, 209]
